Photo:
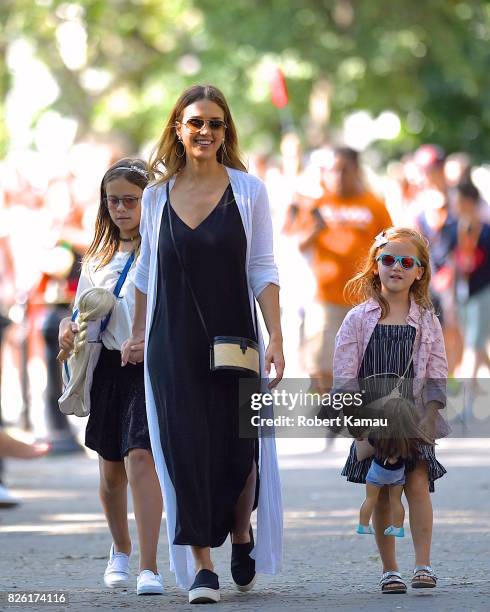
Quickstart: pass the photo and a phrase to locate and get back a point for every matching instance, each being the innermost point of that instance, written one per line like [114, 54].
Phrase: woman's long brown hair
[106, 239]
[366, 284]
[164, 161]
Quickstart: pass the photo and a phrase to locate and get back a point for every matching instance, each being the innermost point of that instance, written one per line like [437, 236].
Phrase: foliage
[426, 61]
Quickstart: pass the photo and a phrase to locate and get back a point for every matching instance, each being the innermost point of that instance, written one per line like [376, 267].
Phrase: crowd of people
[46, 217]
[182, 247]
[335, 209]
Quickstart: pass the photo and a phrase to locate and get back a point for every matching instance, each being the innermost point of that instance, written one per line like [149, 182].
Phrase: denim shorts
[380, 476]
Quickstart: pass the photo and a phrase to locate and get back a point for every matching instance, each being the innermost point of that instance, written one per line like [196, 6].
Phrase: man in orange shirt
[343, 223]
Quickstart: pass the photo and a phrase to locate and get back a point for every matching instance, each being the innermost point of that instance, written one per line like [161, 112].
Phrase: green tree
[426, 61]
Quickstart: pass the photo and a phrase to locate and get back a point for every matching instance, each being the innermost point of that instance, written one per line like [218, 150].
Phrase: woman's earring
[223, 151]
[182, 151]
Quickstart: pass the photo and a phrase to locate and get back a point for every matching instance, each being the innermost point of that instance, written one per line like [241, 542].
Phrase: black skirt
[356, 471]
[117, 421]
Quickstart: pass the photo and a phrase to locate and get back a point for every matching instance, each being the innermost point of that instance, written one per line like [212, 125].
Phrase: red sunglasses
[407, 262]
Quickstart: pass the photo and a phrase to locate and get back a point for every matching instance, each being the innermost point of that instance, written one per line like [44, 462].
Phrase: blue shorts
[380, 476]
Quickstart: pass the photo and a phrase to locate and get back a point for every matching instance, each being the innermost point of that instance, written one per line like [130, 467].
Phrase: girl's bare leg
[147, 503]
[382, 520]
[420, 507]
[113, 495]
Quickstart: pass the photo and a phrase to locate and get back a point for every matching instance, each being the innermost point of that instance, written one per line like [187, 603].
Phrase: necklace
[129, 239]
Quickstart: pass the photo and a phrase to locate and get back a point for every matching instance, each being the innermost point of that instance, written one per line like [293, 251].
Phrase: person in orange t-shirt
[342, 224]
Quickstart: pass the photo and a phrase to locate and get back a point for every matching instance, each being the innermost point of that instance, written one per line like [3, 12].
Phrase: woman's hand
[132, 349]
[66, 335]
[269, 304]
[274, 355]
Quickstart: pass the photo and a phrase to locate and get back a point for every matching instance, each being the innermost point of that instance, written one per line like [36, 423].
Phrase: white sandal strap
[391, 577]
[425, 570]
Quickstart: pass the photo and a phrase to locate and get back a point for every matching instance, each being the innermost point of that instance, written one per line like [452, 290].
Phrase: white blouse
[120, 323]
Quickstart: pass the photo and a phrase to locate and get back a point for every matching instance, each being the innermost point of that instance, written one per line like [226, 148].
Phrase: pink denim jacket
[429, 360]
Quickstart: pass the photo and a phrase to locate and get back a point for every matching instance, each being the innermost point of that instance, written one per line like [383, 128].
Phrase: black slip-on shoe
[205, 588]
[242, 565]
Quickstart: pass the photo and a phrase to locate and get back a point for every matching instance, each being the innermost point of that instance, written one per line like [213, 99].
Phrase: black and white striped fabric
[389, 351]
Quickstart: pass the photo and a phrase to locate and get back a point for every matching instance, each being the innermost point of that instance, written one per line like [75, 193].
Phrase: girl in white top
[117, 428]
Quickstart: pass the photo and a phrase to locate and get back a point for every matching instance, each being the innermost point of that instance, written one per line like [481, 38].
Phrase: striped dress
[389, 350]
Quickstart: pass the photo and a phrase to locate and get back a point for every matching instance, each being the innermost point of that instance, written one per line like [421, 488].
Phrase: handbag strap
[117, 290]
[194, 299]
[191, 291]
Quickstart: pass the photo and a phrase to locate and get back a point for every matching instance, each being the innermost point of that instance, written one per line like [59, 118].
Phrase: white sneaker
[149, 583]
[7, 499]
[116, 575]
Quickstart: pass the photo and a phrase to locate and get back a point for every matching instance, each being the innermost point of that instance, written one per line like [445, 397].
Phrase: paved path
[58, 539]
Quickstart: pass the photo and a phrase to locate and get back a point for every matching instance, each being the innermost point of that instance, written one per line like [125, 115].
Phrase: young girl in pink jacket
[393, 332]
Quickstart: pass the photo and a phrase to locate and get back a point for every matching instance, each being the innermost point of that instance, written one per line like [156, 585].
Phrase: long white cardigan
[253, 204]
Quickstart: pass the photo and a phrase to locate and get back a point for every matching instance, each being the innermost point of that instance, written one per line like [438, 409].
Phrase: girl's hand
[133, 348]
[274, 355]
[428, 421]
[428, 425]
[66, 335]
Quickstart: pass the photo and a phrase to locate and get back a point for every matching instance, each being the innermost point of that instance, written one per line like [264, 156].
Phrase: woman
[220, 219]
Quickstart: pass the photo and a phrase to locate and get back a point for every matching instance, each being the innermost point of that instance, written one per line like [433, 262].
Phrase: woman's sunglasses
[195, 125]
[406, 261]
[129, 202]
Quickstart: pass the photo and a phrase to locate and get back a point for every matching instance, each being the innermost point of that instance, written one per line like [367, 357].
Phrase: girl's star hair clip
[380, 240]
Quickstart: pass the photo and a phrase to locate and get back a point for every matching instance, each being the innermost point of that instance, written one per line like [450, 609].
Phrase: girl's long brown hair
[366, 284]
[106, 239]
[165, 163]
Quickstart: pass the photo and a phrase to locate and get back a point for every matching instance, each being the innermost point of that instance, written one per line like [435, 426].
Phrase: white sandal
[420, 575]
[392, 578]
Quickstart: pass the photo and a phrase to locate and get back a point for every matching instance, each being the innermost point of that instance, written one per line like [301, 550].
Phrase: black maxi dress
[198, 410]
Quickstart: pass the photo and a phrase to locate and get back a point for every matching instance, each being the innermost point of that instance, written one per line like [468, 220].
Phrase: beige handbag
[225, 352]
[235, 353]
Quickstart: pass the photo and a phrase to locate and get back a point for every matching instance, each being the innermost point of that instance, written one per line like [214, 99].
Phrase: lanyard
[117, 291]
